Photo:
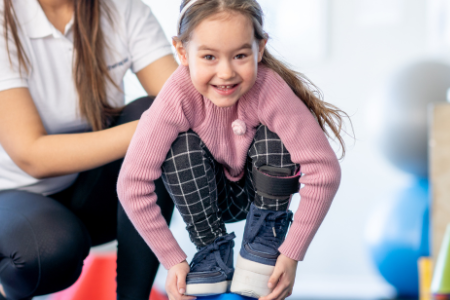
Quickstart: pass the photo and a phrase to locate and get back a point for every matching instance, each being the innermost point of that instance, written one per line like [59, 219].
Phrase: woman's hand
[176, 282]
[282, 279]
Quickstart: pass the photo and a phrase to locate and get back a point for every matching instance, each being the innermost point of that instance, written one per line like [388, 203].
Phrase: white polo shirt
[135, 40]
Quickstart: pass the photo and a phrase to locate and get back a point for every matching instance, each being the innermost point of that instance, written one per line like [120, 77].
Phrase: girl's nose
[225, 70]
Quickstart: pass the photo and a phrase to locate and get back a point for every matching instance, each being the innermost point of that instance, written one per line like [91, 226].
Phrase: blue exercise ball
[228, 296]
[397, 235]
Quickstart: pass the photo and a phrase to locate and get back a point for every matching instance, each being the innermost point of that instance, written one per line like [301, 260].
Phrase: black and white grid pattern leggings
[205, 198]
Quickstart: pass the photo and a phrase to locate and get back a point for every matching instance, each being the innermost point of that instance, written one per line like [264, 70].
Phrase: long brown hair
[90, 69]
[327, 115]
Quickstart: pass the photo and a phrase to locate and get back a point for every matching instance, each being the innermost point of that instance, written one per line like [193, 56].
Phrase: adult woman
[62, 64]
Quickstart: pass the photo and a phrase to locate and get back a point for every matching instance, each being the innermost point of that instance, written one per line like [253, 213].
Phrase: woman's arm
[26, 141]
[153, 76]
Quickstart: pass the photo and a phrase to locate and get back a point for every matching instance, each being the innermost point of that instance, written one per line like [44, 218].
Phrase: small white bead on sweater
[239, 127]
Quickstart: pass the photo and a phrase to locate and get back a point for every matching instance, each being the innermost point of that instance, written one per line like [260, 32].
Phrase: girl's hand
[176, 282]
[282, 279]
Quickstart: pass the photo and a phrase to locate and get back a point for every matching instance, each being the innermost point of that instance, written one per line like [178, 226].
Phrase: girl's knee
[268, 149]
[263, 133]
[186, 142]
[186, 148]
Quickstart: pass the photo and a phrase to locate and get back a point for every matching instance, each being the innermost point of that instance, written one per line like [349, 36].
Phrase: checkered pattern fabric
[205, 198]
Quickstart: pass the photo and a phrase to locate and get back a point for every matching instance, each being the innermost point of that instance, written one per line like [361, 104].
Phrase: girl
[63, 133]
[232, 126]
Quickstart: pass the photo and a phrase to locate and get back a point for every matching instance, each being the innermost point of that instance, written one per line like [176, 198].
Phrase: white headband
[185, 8]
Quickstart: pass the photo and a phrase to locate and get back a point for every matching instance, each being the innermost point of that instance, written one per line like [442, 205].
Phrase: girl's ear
[181, 52]
[262, 46]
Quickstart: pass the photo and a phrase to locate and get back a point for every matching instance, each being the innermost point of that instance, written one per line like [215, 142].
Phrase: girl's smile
[226, 90]
[222, 55]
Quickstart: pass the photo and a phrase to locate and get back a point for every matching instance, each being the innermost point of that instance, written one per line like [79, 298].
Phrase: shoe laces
[269, 227]
[208, 257]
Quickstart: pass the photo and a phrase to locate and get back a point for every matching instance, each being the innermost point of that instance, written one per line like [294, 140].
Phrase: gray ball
[403, 134]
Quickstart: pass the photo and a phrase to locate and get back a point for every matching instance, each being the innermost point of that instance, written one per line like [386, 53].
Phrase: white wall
[367, 40]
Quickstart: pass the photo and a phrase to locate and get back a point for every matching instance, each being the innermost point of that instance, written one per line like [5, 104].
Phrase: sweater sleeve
[285, 114]
[158, 127]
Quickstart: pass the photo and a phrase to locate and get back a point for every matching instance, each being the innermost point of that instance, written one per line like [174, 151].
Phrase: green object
[441, 277]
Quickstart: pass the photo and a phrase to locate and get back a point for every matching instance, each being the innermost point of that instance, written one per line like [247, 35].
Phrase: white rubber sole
[207, 289]
[250, 278]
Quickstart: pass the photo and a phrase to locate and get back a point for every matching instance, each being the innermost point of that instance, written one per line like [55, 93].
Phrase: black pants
[205, 198]
[44, 240]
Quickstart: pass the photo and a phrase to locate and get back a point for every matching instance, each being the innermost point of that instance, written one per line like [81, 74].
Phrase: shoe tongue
[205, 259]
[274, 219]
[271, 233]
[266, 241]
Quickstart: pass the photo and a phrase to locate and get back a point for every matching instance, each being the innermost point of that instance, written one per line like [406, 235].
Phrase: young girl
[228, 134]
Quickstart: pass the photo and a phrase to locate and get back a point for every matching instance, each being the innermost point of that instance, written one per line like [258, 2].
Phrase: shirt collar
[33, 20]
[68, 26]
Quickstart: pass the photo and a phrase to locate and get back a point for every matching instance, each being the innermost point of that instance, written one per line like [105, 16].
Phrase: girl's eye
[209, 57]
[240, 56]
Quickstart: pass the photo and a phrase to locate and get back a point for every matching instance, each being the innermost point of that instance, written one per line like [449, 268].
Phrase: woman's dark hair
[90, 69]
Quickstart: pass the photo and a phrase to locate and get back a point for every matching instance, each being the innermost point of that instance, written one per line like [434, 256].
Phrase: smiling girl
[232, 126]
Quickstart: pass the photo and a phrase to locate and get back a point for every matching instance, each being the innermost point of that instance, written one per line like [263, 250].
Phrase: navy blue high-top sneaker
[212, 268]
[264, 233]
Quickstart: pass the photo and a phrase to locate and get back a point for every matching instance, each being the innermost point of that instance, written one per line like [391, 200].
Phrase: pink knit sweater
[179, 106]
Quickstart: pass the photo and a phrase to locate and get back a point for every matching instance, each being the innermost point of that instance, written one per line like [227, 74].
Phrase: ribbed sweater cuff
[174, 259]
[292, 252]
[296, 243]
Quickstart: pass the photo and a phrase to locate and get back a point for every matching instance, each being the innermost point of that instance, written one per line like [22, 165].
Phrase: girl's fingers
[273, 296]
[277, 272]
[174, 295]
[277, 292]
[171, 290]
[181, 283]
[170, 296]
[285, 294]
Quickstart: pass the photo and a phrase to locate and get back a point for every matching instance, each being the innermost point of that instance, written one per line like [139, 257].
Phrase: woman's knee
[42, 246]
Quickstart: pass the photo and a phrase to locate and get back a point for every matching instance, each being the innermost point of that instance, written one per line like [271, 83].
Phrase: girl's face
[222, 55]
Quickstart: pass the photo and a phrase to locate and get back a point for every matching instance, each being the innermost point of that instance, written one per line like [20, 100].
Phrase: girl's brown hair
[327, 115]
[90, 70]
